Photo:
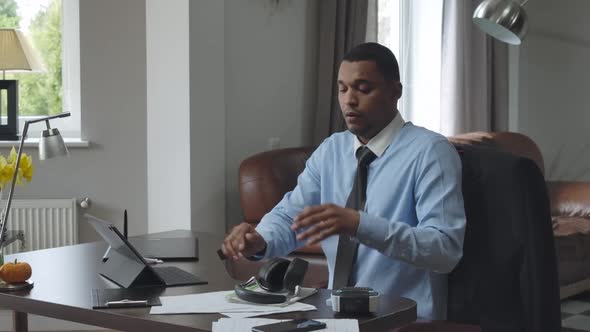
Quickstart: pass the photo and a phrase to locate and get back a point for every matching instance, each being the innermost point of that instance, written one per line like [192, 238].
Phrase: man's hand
[242, 241]
[325, 220]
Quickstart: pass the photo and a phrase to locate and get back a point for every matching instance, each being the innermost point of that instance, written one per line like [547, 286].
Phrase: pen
[221, 254]
[127, 303]
[125, 224]
[105, 257]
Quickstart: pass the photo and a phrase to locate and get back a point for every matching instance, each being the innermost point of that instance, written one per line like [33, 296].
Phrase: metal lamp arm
[14, 176]
[61, 115]
[9, 200]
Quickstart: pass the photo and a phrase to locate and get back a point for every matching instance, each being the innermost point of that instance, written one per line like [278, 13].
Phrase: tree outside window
[39, 93]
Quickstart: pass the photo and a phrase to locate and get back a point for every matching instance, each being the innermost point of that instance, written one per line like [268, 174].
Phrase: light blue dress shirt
[411, 230]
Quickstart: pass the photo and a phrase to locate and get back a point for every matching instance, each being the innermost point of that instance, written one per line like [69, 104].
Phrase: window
[412, 29]
[52, 27]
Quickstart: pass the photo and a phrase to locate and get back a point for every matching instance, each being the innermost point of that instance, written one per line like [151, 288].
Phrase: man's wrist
[259, 255]
[263, 251]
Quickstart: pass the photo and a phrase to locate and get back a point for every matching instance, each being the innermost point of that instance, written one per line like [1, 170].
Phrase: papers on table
[291, 308]
[246, 324]
[222, 302]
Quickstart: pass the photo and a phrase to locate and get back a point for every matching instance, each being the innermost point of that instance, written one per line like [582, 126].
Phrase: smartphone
[296, 325]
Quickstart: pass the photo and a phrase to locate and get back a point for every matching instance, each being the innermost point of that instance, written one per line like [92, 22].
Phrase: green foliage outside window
[39, 93]
[8, 16]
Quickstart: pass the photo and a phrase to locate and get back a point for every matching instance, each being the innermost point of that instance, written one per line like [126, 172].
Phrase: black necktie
[346, 254]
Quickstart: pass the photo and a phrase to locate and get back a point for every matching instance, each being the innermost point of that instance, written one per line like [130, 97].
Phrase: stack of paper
[246, 324]
[221, 302]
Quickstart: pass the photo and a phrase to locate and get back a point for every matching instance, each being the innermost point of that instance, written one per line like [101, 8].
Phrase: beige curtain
[342, 25]
[474, 74]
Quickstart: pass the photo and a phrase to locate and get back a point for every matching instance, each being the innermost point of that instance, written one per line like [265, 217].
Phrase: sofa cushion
[569, 198]
[572, 246]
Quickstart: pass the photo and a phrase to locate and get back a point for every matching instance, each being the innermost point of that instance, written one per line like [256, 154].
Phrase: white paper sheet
[215, 302]
[246, 324]
[261, 313]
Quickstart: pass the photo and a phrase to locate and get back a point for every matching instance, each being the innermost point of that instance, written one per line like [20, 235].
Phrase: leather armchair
[263, 181]
[507, 277]
[570, 210]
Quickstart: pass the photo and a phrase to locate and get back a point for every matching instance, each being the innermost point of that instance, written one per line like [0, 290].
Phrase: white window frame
[69, 127]
[416, 42]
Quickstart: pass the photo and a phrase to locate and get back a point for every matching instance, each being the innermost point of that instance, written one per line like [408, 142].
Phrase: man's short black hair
[381, 55]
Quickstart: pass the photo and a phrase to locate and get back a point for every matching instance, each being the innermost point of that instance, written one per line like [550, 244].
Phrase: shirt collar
[383, 139]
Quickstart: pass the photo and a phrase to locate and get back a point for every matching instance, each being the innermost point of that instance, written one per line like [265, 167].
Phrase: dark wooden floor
[575, 313]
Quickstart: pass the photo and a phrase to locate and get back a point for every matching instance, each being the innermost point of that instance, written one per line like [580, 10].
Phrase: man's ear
[396, 90]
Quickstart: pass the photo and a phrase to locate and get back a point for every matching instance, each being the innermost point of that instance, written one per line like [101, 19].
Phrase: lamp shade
[51, 144]
[16, 54]
[504, 20]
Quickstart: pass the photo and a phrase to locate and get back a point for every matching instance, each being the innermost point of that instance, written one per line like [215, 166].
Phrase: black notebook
[131, 297]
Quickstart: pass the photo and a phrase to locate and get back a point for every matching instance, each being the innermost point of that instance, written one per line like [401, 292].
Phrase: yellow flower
[6, 172]
[12, 156]
[25, 168]
[26, 165]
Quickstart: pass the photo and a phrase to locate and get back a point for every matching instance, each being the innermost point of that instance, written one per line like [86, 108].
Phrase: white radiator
[46, 223]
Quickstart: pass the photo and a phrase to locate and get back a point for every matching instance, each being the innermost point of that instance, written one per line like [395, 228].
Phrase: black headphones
[278, 274]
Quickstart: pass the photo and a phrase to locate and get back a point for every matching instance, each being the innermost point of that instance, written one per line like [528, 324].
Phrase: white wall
[555, 84]
[270, 70]
[207, 115]
[168, 115]
[113, 85]
[252, 74]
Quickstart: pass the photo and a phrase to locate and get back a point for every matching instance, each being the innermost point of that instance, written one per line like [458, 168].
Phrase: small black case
[100, 297]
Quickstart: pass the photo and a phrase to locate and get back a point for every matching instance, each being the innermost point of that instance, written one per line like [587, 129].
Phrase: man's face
[368, 102]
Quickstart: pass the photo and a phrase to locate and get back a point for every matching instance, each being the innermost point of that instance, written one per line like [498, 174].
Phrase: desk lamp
[16, 55]
[504, 20]
[51, 144]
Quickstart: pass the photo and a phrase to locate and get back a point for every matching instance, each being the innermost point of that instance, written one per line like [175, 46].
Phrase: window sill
[34, 142]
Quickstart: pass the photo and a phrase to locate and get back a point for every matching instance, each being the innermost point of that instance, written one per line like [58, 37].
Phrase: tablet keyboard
[174, 276]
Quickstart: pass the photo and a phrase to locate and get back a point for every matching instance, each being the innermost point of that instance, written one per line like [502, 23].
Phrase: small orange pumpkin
[15, 272]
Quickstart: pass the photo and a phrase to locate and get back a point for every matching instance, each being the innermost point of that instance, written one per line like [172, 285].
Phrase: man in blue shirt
[411, 230]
